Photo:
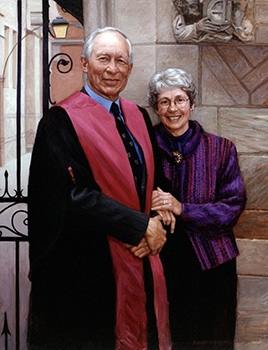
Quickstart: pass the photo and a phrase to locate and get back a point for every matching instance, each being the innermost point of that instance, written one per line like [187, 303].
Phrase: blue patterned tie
[129, 145]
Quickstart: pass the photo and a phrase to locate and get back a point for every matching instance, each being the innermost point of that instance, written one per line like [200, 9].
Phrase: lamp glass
[60, 30]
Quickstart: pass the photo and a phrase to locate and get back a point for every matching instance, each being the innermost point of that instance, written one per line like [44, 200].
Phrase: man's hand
[155, 235]
[141, 250]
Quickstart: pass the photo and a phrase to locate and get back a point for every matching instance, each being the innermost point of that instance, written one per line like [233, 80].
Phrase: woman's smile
[173, 110]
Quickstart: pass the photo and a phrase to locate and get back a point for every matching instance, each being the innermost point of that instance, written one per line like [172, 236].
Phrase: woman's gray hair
[88, 45]
[171, 78]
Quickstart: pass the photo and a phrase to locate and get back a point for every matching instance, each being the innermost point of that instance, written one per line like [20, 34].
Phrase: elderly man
[90, 187]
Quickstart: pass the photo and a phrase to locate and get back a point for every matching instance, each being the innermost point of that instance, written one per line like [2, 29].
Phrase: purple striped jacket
[209, 185]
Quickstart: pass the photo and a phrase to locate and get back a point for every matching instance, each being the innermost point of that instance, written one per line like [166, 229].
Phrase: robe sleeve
[62, 191]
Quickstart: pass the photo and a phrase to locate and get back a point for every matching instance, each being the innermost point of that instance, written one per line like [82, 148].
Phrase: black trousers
[202, 303]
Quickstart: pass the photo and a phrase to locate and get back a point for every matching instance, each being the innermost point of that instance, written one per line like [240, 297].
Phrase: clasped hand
[153, 240]
[167, 207]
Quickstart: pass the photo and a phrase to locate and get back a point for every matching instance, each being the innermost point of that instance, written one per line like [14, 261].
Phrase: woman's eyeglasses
[165, 103]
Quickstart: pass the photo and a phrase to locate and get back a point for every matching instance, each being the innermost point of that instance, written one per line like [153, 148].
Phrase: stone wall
[232, 80]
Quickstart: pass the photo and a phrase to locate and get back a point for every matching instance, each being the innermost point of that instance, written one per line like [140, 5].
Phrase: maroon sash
[108, 160]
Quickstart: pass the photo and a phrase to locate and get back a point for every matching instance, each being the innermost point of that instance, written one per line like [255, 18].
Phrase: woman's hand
[163, 201]
[168, 218]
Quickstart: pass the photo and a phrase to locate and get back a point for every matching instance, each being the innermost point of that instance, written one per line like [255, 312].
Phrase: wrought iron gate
[13, 215]
[13, 224]
[14, 283]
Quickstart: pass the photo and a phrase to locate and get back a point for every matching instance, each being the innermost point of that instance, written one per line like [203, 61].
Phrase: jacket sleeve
[221, 215]
[62, 189]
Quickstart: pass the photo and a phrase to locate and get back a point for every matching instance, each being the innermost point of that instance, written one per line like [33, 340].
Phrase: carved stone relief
[211, 20]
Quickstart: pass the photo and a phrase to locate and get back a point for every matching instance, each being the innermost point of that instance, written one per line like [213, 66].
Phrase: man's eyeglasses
[165, 103]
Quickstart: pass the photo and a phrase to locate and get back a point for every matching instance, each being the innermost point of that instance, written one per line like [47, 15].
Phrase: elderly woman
[202, 186]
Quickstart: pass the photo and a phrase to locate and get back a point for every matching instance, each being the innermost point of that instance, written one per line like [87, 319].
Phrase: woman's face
[173, 109]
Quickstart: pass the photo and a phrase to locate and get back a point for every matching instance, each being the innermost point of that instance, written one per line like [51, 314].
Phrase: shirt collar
[101, 100]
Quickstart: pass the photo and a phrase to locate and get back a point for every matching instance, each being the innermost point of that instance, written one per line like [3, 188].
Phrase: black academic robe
[72, 302]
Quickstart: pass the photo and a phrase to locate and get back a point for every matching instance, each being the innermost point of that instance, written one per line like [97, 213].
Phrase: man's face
[108, 67]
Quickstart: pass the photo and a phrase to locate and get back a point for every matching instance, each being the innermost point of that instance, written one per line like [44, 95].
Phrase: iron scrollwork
[61, 63]
[18, 221]
[18, 218]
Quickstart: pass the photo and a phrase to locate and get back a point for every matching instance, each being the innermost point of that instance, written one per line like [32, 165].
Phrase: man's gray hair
[88, 45]
[171, 78]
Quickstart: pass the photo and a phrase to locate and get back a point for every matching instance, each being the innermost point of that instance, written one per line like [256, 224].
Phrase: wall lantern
[60, 27]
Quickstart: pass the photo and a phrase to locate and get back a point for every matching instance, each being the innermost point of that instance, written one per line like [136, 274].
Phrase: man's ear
[130, 69]
[84, 64]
